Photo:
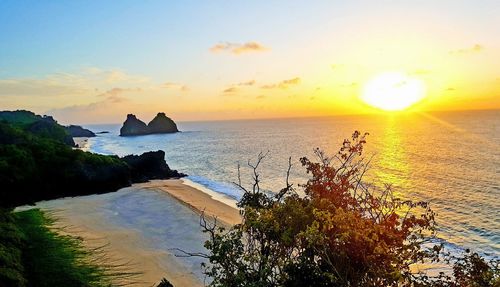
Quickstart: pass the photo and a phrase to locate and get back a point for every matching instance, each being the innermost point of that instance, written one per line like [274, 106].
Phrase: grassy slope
[51, 259]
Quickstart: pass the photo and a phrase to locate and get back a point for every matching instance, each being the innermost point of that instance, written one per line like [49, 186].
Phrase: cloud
[234, 87]
[114, 95]
[113, 76]
[283, 84]
[175, 86]
[83, 82]
[111, 107]
[230, 90]
[474, 49]
[38, 87]
[237, 49]
[247, 83]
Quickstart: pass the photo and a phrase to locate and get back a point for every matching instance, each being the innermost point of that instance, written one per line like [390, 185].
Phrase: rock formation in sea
[159, 125]
[150, 165]
[162, 124]
[78, 131]
[133, 127]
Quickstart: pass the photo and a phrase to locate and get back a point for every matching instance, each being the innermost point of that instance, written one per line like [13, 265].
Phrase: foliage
[52, 259]
[41, 126]
[43, 168]
[342, 232]
[37, 163]
[11, 243]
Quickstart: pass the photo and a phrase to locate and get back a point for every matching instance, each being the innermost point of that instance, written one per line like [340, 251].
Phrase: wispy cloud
[83, 82]
[234, 88]
[283, 84]
[114, 95]
[38, 88]
[237, 48]
[111, 107]
[175, 86]
[230, 90]
[247, 83]
[474, 49]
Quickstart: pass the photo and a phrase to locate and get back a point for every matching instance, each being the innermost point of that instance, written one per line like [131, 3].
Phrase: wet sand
[198, 200]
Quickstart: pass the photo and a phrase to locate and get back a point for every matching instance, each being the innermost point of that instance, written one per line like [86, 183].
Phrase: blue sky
[170, 41]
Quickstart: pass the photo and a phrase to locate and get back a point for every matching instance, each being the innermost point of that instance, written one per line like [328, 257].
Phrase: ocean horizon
[450, 159]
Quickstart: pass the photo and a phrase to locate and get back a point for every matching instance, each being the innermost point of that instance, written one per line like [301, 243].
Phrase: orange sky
[240, 60]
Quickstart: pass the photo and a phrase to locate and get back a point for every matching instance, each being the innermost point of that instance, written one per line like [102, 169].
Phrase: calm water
[450, 159]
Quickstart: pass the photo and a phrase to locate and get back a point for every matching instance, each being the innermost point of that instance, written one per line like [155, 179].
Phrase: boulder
[150, 165]
[162, 124]
[78, 131]
[133, 127]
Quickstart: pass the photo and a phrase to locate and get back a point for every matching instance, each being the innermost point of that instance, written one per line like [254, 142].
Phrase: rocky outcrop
[133, 127]
[162, 124]
[159, 125]
[78, 131]
[150, 165]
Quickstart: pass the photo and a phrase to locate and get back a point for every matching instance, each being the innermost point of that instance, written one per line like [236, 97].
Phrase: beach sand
[91, 218]
[198, 200]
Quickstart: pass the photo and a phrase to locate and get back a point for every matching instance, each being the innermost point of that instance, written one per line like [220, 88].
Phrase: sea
[450, 159]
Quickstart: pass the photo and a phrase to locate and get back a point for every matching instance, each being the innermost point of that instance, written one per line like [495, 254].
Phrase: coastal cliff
[38, 163]
[159, 125]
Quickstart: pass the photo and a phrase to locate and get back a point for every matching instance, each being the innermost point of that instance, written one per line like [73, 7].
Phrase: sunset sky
[95, 61]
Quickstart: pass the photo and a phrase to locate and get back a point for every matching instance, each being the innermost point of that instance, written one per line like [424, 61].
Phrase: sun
[393, 91]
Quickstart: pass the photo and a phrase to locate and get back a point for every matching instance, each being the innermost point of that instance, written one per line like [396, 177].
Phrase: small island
[161, 124]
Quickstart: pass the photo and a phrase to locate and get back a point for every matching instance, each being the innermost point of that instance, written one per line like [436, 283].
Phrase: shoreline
[90, 218]
[196, 199]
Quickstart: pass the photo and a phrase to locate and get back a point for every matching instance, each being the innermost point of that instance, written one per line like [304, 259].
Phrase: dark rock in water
[133, 127]
[162, 124]
[103, 132]
[78, 131]
[150, 165]
[159, 125]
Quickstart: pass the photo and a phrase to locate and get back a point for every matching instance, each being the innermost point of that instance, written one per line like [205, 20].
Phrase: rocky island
[159, 125]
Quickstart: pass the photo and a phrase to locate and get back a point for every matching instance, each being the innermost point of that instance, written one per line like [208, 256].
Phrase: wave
[221, 191]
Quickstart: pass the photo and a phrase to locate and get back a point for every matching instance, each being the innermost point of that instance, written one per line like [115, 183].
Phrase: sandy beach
[197, 200]
[140, 227]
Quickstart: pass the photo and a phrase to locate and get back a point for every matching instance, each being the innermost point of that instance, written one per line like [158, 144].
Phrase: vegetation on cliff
[36, 166]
